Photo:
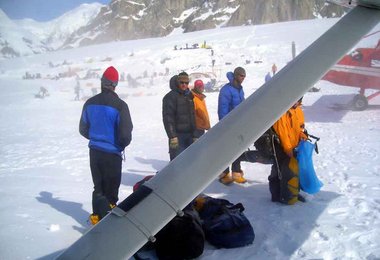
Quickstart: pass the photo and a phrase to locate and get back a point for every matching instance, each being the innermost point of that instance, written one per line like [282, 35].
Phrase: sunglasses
[242, 75]
[184, 82]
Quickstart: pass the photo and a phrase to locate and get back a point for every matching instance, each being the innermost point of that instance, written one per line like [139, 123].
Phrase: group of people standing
[107, 123]
[186, 118]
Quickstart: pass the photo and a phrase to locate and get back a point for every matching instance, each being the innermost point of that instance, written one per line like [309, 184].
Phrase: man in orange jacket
[283, 180]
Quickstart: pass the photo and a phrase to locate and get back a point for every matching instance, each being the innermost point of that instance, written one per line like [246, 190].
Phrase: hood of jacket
[230, 76]
[173, 82]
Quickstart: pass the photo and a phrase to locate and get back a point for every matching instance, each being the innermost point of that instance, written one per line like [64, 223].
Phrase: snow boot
[94, 219]
[226, 178]
[238, 177]
[301, 198]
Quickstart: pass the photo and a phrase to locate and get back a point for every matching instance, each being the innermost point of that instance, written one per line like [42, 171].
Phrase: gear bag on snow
[224, 223]
[309, 181]
[181, 238]
[139, 183]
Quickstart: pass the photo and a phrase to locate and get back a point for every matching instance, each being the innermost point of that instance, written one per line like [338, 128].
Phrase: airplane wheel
[360, 102]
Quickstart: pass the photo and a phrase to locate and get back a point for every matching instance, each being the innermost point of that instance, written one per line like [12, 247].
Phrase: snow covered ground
[45, 181]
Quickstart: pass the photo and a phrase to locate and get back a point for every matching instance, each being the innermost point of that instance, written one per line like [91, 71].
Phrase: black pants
[279, 178]
[236, 167]
[106, 176]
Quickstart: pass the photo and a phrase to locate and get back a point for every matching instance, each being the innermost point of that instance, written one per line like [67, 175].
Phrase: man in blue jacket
[107, 123]
[230, 96]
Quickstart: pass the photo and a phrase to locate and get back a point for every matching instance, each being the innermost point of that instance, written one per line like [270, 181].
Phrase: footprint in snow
[320, 235]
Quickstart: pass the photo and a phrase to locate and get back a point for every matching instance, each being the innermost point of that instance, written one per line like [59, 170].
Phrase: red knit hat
[198, 85]
[110, 76]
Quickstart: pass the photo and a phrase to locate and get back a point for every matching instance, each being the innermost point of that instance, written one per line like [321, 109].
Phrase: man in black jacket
[178, 115]
[107, 123]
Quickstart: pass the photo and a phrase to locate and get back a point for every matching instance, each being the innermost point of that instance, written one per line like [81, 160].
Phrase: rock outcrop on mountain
[126, 20]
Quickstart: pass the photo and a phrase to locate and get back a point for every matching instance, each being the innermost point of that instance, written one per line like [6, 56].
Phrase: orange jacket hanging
[288, 128]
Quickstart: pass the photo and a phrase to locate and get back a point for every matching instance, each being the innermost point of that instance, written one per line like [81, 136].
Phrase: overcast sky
[41, 10]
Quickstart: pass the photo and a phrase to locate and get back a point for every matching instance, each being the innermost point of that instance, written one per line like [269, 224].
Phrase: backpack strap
[316, 140]
[238, 206]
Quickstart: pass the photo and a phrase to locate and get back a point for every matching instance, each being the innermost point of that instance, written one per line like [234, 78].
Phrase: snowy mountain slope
[45, 182]
[16, 41]
[26, 37]
[53, 33]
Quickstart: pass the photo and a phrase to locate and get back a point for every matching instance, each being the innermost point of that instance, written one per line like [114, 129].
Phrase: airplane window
[357, 55]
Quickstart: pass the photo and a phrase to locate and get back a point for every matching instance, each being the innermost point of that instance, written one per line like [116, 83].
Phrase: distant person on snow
[284, 179]
[202, 120]
[94, 91]
[77, 90]
[178, 115]
[107, 123]
[230, 96]
[43, 92]
[274, 69]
